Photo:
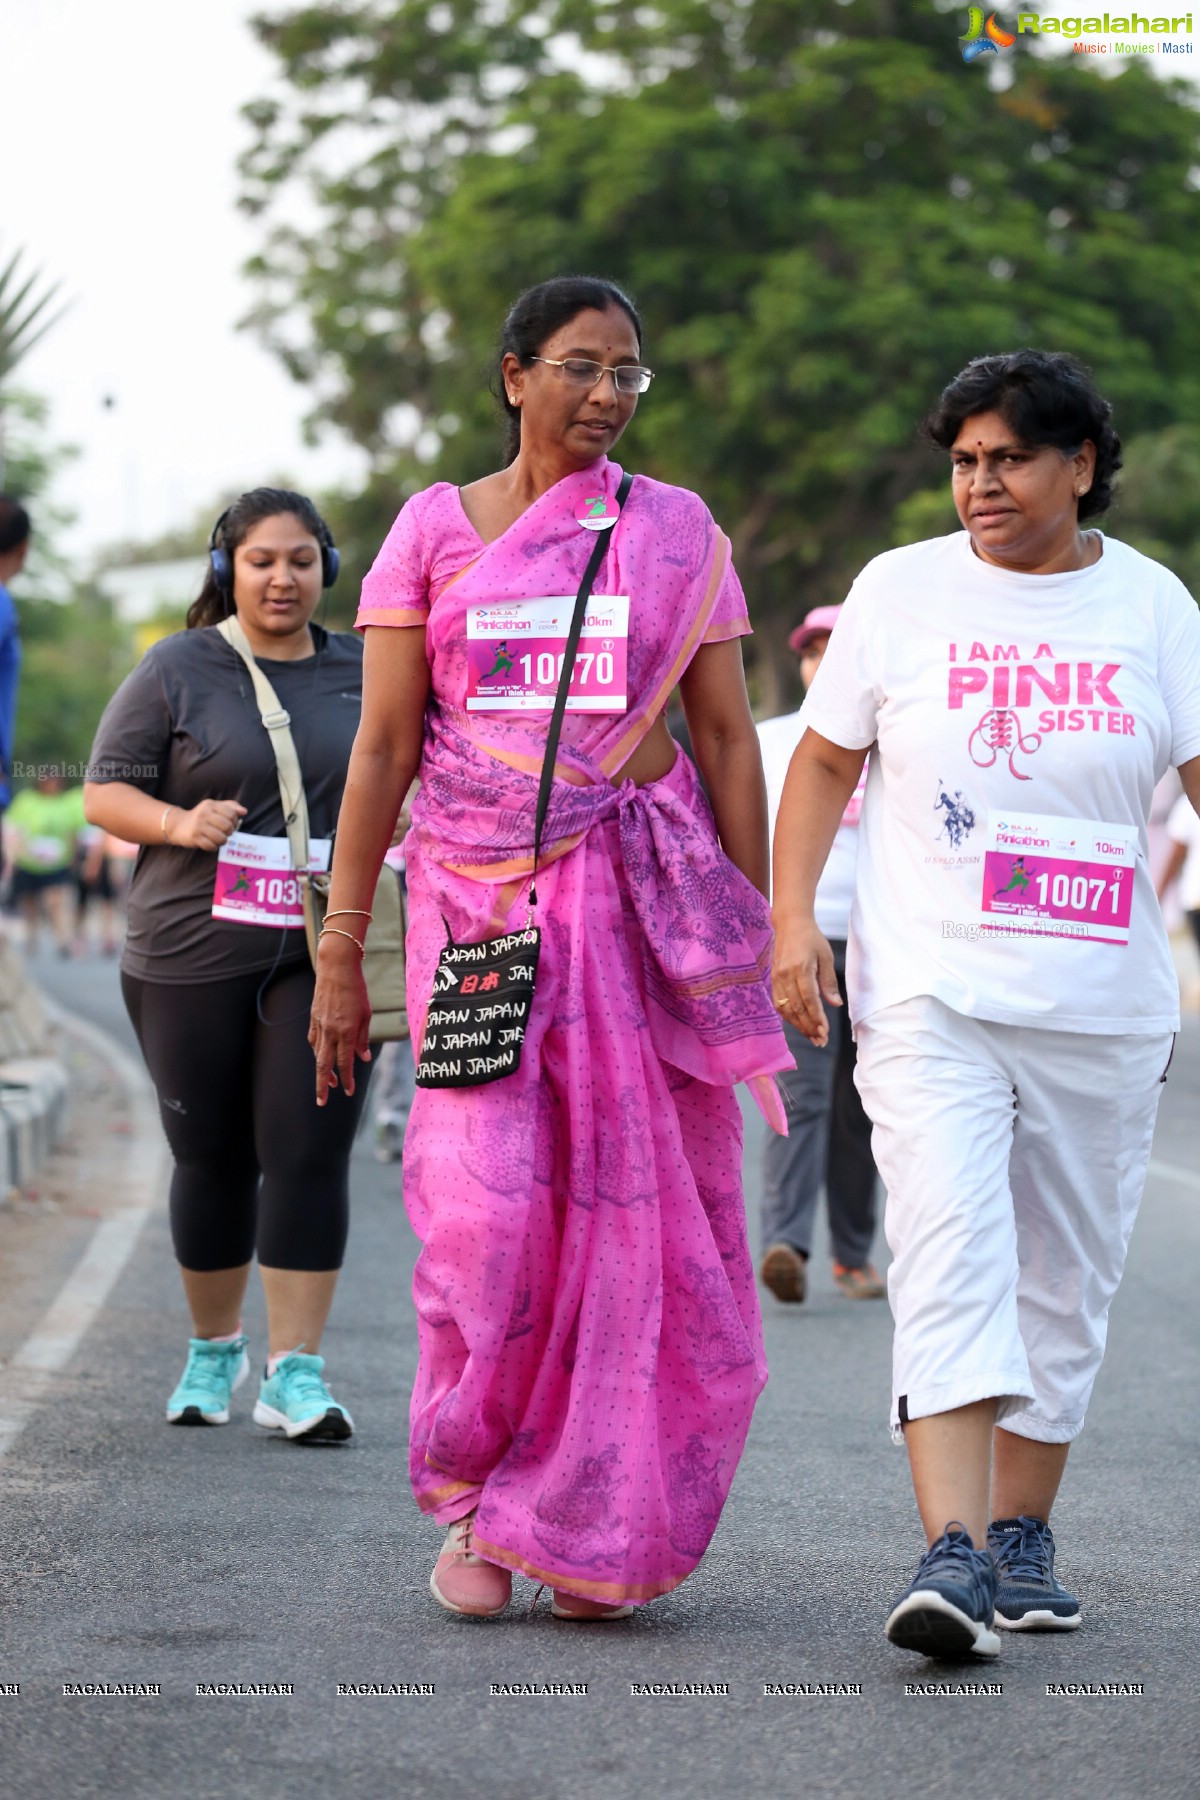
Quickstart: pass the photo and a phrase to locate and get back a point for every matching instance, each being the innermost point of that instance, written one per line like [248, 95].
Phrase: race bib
[256, 884]
[46, 852]
[515, 655]
[1050, 877]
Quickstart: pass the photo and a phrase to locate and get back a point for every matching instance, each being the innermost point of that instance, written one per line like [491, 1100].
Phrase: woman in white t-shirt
[1024, 684]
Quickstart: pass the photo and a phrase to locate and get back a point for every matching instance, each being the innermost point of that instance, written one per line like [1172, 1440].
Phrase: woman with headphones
[216, 972]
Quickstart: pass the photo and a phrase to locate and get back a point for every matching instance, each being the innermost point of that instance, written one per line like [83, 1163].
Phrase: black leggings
[258, 1165]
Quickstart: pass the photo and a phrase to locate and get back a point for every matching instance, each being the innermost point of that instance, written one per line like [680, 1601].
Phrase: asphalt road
[132, 1552]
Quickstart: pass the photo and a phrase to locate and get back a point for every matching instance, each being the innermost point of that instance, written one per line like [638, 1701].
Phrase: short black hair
[15, 528]
[537, 314]
[1049, 398]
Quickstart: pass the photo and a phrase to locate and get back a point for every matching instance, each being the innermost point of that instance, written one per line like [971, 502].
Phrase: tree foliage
[23, 316]
[821, 210]
[74, 653]
[23, 323]
[1156, 507]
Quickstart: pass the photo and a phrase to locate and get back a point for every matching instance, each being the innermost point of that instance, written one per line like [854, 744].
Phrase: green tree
[1156, 507]
[34, 461]
[74, 653]
[24, 321]
[821, 210]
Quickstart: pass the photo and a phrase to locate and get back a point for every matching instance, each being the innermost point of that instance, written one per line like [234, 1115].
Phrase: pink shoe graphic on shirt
[999, 732]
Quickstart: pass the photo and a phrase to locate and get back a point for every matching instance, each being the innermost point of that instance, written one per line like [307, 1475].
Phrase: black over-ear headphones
[221, 564]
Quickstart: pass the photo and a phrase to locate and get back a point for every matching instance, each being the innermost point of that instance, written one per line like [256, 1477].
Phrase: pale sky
[119, 137]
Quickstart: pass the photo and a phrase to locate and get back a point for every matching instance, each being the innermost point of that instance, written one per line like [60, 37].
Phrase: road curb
[33, 1103]
[33, 1084]
[45, 1353]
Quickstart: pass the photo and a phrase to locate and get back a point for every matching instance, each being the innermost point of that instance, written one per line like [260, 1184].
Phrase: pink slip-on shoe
[465, 1583]
[574, 1606]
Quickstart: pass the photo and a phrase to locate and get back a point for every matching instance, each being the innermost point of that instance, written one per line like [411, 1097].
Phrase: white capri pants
[1014, 1160]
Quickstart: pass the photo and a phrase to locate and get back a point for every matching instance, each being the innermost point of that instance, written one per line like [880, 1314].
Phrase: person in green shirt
[43, 827]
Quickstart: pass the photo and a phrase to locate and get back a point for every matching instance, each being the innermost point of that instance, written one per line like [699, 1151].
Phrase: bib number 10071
[516, 652]
[1071, 878]
[1079, 894]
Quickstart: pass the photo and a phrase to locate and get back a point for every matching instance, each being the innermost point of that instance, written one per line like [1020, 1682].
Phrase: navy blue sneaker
[948, 1609]
[1028, 1596]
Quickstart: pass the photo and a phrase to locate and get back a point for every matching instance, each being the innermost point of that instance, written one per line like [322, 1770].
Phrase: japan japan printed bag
[483, 993]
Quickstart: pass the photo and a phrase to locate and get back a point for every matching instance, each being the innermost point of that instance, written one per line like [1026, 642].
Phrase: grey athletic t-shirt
[185, 727]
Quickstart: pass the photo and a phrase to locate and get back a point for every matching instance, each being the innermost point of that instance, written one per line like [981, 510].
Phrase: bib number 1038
[256, 884]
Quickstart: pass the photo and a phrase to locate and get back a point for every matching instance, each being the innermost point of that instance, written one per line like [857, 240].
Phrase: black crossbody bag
[483, 993]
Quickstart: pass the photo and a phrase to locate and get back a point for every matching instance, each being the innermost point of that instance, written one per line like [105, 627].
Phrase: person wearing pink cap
[829, 1134]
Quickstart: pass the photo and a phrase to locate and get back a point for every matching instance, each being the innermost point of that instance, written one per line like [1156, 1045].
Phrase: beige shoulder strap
[278, 724]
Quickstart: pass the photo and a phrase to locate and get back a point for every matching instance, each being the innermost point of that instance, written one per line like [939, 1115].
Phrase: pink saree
[590, 1337]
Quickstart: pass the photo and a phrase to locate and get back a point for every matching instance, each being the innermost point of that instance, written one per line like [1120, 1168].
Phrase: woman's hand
[802, 976]
[204, 827]
[339, 1029]
[125, 812]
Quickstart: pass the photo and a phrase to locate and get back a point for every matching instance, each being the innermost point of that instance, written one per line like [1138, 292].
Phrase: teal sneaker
[206, 1385]
[295, 1399]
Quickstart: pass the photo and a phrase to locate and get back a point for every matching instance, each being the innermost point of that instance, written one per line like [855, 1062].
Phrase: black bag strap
[564, 680]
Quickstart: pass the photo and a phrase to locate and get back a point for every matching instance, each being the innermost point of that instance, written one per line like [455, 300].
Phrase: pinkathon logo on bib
[515, 654]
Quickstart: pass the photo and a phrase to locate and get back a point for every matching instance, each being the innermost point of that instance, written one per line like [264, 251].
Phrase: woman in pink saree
[589, 1331]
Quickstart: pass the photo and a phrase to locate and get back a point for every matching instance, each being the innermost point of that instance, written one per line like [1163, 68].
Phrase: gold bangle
[341, 912]
[162, 824]
[334, 931]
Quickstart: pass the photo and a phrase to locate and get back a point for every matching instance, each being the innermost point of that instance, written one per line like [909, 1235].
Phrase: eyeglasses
[629, 378]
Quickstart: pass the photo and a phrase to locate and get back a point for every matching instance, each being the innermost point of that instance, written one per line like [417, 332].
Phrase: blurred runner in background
[94, 889]
[41, 837]
[1183, 862]
[829, 1134]
[15, 533]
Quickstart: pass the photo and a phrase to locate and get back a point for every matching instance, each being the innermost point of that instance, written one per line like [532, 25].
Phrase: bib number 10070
[594, 668]
[516, 652]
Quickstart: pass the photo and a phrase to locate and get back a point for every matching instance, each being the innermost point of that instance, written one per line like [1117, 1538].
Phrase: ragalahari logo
[980, 36]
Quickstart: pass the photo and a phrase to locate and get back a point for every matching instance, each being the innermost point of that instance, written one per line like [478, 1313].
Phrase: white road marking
[61, 1328]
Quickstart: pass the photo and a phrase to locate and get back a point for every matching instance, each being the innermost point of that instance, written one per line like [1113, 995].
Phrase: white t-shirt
[1183, 827]
[835, 890]
[1022, 723]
